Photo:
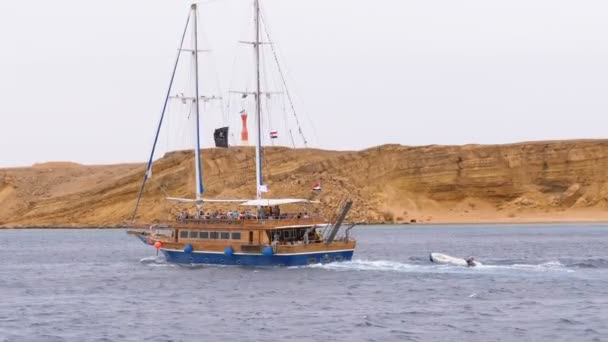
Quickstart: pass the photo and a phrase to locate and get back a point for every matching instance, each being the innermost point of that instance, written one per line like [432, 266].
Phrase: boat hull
[243, 259]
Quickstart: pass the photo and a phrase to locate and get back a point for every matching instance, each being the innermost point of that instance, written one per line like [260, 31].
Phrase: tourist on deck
[276, 238]
[318, 236]
[267, 211]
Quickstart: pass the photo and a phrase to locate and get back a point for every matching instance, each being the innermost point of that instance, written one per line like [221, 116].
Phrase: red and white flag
[274, 134]
[316, 187]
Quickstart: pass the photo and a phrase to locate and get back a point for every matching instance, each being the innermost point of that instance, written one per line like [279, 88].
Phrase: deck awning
[273, 202]
[204, 200]
[253, 203]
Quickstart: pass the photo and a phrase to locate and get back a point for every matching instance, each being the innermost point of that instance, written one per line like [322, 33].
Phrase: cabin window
[193, 234]
[225, 235]
[287, 234]
[236, 236]
[250, 237]
[213, 235]
[183, 234]
[203, 235]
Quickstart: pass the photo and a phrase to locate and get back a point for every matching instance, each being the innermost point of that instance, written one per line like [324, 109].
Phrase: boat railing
[334, 217]
[242, 220]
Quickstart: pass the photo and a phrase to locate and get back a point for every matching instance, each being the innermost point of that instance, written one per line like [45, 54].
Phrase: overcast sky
[84, 80]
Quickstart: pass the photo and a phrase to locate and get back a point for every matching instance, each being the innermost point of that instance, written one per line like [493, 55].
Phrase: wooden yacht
[262, 231]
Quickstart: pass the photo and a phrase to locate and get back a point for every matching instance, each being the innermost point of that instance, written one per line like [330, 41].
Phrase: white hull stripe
[259, 254]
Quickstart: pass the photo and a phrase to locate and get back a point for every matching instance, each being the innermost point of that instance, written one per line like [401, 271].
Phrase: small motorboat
[445, 259]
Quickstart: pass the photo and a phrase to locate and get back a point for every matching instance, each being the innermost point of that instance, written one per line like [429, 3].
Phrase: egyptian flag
[274, 134]
[221, 137]
[316, 187]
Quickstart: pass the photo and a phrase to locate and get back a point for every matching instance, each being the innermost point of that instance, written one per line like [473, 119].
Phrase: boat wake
[598, 263]
[549, 266]
[400, 267]
[416, 266]
[371, 265]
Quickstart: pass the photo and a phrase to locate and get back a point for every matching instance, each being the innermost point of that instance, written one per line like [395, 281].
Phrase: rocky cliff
[539, 181]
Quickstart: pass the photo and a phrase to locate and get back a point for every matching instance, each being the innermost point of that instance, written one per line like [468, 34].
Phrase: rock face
[540, 181]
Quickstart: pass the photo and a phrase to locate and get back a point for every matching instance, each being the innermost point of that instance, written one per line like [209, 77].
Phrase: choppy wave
[587, 263]
[538, 283]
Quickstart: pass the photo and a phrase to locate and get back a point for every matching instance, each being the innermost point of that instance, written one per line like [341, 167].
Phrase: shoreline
[417, 224]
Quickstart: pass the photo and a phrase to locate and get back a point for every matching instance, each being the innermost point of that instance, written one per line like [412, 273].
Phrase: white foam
[155, 261]
[550, 266]
[394, 266]
[378, 265]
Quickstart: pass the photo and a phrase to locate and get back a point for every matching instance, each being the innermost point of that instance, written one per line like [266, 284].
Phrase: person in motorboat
[470, 261]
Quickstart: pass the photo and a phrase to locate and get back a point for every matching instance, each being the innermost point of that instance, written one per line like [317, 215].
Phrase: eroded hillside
[540, 181]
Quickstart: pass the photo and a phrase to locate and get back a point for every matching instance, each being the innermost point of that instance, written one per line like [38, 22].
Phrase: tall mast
[195, 104]
[258, 119]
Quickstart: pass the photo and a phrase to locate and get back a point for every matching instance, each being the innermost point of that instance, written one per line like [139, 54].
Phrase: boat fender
[158, 244]
[229, 251]
[267, 251]
[188, 248]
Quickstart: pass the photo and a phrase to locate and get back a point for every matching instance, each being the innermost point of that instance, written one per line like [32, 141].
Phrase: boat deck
[237, 224]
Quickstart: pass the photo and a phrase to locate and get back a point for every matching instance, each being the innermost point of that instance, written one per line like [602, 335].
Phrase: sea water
[538, 283]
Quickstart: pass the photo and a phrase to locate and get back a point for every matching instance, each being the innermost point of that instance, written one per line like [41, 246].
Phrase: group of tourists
[217, 215]
[267, 213]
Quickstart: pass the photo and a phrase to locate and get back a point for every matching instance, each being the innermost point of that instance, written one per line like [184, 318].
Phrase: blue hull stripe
[218, 258]
[258, 254]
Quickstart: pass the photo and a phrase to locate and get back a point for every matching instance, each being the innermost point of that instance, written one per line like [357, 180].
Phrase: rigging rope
[276, 59]
[160, 122]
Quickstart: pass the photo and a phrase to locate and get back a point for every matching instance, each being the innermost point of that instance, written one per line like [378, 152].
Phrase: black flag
[221, 137]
